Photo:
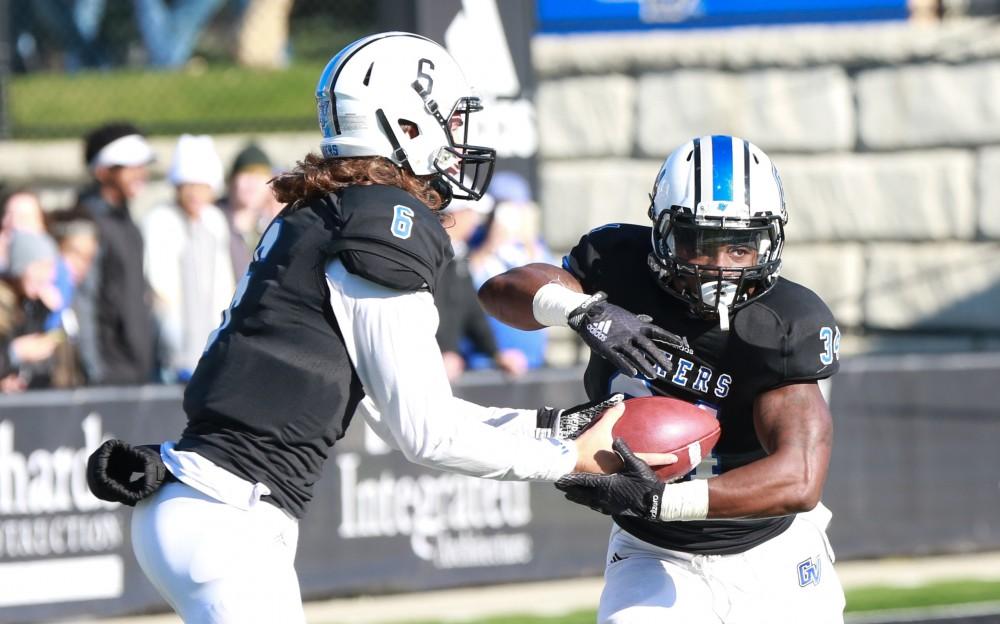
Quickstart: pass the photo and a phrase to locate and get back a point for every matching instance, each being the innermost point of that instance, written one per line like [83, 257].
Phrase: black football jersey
[788, 335]
[275, 387]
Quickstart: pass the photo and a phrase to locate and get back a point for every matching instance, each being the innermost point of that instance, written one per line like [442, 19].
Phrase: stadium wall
[887, 136]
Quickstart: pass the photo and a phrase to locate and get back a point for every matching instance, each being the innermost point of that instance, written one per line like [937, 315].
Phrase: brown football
[659, 424]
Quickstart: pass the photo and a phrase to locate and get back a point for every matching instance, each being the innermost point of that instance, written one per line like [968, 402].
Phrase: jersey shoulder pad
[608, 251]
[793, 332]
[389, 237]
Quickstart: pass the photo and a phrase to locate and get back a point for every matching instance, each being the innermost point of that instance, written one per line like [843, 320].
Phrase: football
[664, 425]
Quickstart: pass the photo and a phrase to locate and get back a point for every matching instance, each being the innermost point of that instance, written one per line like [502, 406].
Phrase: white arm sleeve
[390, 338]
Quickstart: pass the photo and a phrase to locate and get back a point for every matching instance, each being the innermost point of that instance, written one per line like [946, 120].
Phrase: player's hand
[634, 491]
[595, 453]
[622, 338]
[569, 423]
[111, 466]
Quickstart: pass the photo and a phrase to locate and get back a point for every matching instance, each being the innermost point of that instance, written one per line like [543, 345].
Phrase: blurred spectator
[74, 25]
[31, 357]
[246, 204]
[262, 37]
[187, 256]
[512, 238]
[20, 211]
[170, 30]
[117, 334]
[76, 236]
[463, 325]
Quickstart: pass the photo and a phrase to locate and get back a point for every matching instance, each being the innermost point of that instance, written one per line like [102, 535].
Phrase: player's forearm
[773, 486]
[509, 297]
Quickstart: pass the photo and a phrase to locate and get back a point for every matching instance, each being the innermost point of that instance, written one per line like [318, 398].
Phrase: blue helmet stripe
[722, 168]
[697, 174]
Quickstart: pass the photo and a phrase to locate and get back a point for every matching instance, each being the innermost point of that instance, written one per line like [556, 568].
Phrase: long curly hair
[315, 175]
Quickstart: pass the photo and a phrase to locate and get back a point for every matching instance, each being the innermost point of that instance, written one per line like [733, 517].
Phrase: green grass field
[858, 600]
[213, 99]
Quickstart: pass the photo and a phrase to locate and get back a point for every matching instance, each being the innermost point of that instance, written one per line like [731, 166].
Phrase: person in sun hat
[117, 334]
[187, 256]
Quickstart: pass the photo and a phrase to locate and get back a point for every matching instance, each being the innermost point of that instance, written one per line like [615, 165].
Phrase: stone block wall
[887, 136]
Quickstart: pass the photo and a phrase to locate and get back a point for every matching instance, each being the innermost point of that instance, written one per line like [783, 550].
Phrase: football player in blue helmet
[718, 212]
[741, 538]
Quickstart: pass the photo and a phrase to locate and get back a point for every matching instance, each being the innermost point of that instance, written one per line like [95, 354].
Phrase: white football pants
[787, 580]
[215, 563]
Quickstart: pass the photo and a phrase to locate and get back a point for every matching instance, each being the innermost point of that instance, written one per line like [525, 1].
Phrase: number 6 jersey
[275, 387]
[786, 336]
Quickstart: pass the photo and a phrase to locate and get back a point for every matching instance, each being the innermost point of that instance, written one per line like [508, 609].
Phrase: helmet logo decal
[421, 74]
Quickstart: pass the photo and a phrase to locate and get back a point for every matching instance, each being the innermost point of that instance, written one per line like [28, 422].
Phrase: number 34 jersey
[786, 336]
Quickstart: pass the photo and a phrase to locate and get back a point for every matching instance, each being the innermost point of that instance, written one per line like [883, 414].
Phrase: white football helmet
[381, 81]
[718, 214]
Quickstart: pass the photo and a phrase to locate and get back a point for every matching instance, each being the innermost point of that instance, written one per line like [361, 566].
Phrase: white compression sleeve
[553, 302]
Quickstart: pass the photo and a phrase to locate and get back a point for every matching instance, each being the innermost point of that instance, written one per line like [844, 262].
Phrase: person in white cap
[187, 256]
[117, 334]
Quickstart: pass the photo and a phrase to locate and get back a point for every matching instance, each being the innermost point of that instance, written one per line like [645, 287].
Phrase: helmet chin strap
[443, 188]
[721, 293]
[723, 316]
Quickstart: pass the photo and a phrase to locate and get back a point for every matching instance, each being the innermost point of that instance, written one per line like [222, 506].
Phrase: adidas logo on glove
[600, 330]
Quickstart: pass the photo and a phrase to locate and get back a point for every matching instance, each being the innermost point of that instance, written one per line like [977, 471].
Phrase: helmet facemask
[467, 168]
[716, 265]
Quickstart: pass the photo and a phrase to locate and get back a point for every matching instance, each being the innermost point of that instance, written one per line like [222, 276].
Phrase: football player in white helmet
[741, 539]
[403, 97]
[334, 317]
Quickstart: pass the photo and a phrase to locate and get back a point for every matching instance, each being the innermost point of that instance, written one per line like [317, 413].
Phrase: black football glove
[634, 491]
[622, 338]
[111, 466]
[569, 423]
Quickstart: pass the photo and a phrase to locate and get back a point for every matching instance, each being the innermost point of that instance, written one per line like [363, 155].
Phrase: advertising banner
[558, 16]
[913, 472]
[378, 522]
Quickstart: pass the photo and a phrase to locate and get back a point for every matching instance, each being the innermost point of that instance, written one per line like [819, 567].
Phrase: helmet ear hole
[409, 128]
